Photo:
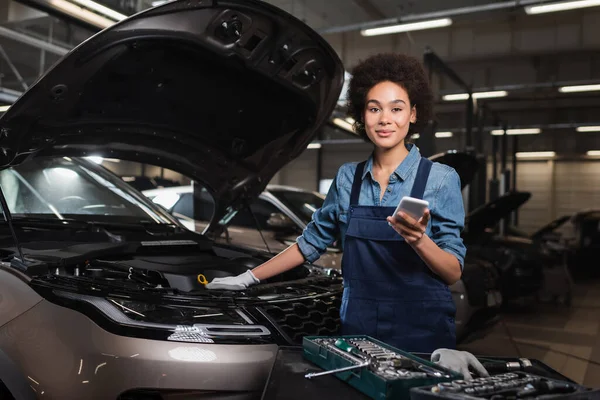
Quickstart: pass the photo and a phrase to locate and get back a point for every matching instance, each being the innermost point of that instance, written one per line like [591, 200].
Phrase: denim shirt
[443, 192]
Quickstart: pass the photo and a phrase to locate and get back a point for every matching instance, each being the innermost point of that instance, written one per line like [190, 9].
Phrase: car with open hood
[573, 237]
[528, 268]
[274, 220]
[102, 290]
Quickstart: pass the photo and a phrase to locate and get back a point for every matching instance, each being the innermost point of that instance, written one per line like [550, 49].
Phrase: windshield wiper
[77, 223]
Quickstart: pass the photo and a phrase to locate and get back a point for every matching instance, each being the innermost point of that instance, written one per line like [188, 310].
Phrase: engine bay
[168, 266]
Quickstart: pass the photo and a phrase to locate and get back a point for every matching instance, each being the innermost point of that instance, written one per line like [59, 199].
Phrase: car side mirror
[280, 222]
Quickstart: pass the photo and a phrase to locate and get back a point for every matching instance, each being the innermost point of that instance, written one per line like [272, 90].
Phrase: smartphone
[412, 206]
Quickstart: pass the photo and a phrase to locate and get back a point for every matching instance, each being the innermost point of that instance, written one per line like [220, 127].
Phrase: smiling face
[388, 114]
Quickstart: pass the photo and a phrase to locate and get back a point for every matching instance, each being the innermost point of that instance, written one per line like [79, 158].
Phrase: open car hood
[557, 223]
[224, 92]
[489, 214]
[465, 164]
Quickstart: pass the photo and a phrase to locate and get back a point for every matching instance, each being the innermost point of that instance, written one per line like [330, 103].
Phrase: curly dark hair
[401, 69]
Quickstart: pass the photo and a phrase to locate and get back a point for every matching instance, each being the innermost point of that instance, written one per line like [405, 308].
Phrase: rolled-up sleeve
[323, 230]
[449, 218]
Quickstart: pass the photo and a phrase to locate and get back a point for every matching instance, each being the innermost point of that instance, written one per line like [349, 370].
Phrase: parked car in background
[528, 268]
[575, 238]
[271, 223]
[278, 216]
[102, 290]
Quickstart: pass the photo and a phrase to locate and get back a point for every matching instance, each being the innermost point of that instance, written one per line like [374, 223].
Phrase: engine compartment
[170, 266]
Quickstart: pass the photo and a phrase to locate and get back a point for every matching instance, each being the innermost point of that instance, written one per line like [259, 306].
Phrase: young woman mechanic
[396, 270]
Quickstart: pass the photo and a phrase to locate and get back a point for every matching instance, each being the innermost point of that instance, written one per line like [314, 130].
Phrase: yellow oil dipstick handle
[202, 279]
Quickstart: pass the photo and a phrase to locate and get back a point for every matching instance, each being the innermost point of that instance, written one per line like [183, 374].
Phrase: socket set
[507, 386]
[376, 369]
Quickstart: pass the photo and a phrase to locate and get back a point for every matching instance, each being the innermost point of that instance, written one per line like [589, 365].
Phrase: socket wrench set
[374, 368]
[507, 386]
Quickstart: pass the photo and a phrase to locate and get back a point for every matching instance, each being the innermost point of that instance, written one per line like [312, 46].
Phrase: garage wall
[536, 177]
[578, 186]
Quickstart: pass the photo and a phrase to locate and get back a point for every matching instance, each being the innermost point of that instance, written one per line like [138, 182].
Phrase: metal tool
[335, 371]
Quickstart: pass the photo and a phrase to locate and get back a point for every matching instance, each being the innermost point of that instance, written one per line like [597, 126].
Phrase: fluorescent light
[415, 136]
[413, 26]
[344, 124]
[81, 13]
[561, 6]
[313, 146]
[588, 129]
[443, 134]
[92, 5]
[535, 154]
[350, 120]
[4, 108]
[95, 159]
[593, 153]
[526, 131]
[579, 88]
[476, 95]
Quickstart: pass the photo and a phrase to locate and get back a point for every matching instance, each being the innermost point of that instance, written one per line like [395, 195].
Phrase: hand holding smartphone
[411, 206]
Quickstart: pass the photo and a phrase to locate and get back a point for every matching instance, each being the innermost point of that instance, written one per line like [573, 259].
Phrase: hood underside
[463, 163]
[489, 214]
[224, 92]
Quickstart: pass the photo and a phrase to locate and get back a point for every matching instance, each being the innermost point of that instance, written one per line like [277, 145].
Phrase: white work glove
[240, 282]
[458, 361]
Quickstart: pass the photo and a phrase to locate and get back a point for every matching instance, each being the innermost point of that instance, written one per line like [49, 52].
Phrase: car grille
[306, 317]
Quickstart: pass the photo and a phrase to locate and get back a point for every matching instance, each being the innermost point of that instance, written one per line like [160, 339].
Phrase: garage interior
[516, 87]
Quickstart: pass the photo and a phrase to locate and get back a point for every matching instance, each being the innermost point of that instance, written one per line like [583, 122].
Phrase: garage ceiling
[491, 45]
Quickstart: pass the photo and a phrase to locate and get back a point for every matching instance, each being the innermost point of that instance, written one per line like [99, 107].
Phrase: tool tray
[510, 385]
[371, 382]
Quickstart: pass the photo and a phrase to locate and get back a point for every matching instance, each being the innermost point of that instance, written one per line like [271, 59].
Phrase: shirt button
[389, 189]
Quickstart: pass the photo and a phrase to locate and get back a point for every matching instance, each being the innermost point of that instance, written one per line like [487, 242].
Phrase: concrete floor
[565, 338]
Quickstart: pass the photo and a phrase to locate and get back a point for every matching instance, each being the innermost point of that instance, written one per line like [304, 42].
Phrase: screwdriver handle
[335, 371]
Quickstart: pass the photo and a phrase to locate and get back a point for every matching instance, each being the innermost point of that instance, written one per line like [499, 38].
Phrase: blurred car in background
[575, 238]
[529, 269]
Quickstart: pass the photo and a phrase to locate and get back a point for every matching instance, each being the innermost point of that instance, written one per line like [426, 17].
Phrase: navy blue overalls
[389, 292]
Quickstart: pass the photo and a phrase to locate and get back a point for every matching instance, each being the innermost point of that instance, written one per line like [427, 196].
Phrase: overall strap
[356, 183]
[418, 188]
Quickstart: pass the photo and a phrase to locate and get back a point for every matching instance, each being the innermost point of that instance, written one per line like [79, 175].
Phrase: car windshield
[303, 204]
[59, 188]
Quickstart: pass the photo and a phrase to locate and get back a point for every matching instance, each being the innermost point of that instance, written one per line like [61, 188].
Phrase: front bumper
[65, 355]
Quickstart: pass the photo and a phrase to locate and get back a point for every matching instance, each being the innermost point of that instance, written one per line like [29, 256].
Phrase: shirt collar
[405, 166]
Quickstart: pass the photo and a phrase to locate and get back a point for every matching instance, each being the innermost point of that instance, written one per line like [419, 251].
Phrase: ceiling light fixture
[593, 153]
[4, 108]
[588, 129]
[535, 154]
[81, 13]
[344, 124]
[561, 6]
[313, 146]
[579, 88]
[476, 95]
[443, 134]
[92, 5]
[525, 131]
[413, 26]
[415, 136]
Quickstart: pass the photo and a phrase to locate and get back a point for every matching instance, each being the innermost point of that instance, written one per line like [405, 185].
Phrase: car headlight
[182, 323]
